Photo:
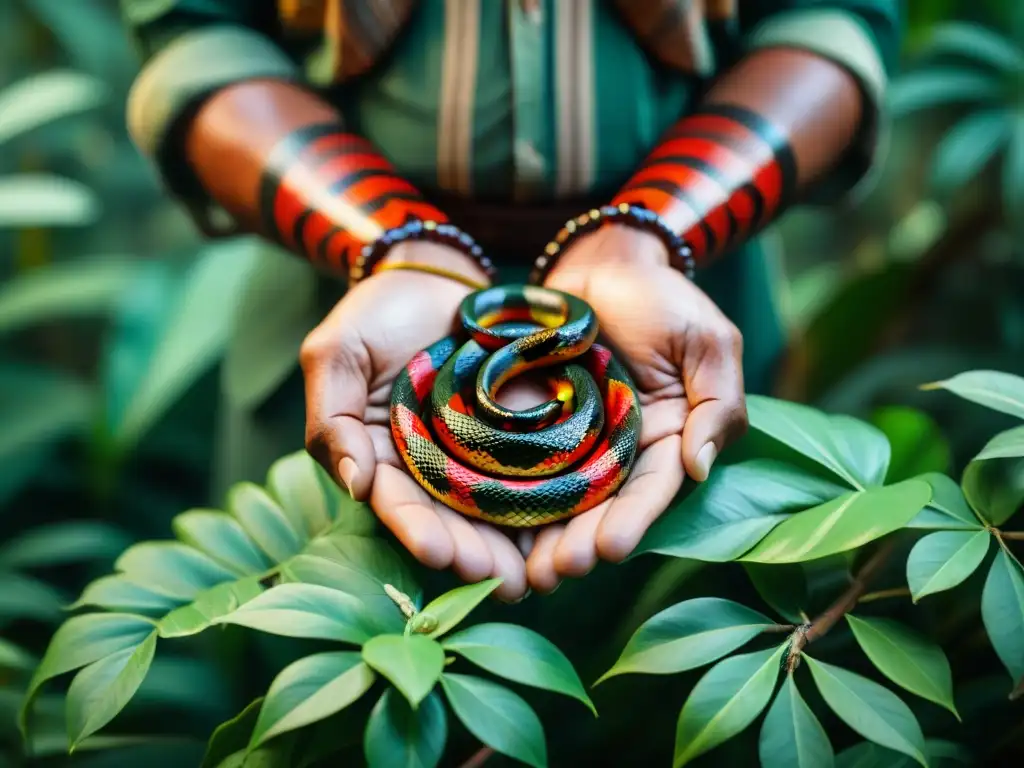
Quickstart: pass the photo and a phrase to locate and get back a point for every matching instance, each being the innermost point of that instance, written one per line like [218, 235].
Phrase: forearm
[777, 122]
[280, 160]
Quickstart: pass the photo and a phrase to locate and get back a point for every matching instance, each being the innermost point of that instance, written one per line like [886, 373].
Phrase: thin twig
[845, 603]
[478, 758]
[779, 628]
[882, 594]
[1012, 535]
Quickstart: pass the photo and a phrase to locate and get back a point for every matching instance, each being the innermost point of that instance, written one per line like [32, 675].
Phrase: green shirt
[484, 99]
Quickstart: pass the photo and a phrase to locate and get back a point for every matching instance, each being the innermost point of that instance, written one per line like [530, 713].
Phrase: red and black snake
[517, 468]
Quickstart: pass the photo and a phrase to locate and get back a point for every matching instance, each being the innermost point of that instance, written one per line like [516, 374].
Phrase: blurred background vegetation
[118, 356]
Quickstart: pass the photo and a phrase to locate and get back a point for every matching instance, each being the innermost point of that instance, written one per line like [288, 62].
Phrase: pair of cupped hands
[683, 353]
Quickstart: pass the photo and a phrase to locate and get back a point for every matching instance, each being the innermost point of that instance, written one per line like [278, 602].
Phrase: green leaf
[38, 408]
[966, 149]
[942, 87]
[219, 536]
[870, 755]
[196, 338]
[412, 663]
[311, 689]
[948, 509]
[999, 391]
[912, 662]
[42, 98]
[995, 489]
[452, 607]
[209, 607]
[1013, 176]
[874, 712]
[294, 481]
[791, 735]
[851, 449]
[1005, 445]
[917, 443]
[264, 521]
[845, 523]
[81, 640]
[25, 597]
[44, 200]
[783, 587]
[398, 736]
[1002, 611]
[520, 655]
[102, 689]
[359, 565]
[231, 736]
[727, 699]
[688, 635]
[13, 657]
[976, 43]
[116, 593]
[942, 560]
[172, 569]
[734, 509]
[305, 610]
[497, 717]
[72, 541]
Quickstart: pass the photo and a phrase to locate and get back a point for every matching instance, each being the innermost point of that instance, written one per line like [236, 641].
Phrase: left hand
[685, 356]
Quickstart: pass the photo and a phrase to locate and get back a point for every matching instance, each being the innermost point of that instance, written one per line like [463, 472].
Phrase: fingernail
[705, 458]
[346, 471]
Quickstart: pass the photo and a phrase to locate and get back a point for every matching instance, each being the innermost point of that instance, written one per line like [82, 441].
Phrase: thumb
[713, 380]
[336, 376]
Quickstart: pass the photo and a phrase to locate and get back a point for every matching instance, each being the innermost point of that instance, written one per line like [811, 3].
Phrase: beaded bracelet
[444, 234]
[679, 253]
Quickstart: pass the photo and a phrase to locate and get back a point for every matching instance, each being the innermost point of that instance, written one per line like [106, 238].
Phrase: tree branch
[478, 758]
[882, 594]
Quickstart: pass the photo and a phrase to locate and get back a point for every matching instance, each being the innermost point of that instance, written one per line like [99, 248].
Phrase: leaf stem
[1012, 535]
[882, 594]
[845, 603]
[478, 758]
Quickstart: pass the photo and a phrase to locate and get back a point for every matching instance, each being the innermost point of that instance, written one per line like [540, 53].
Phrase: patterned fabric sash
[359, 32]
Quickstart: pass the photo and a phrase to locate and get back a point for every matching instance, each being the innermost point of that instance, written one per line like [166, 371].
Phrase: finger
[335, 375]
[472, 559]
[656, 478]
[508, 564]
[411, 515]
[540, 565]
[575, 554]
[713, 378]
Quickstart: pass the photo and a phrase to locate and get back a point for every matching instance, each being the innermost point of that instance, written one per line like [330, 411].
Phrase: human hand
[686, 360]
[349, 363]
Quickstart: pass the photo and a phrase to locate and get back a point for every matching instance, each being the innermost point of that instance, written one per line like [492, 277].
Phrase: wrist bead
[442, 233]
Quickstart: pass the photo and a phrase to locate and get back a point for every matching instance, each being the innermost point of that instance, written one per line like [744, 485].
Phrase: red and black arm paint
[773, 125]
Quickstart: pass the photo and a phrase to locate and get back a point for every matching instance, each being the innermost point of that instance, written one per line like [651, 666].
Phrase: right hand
[349, 363]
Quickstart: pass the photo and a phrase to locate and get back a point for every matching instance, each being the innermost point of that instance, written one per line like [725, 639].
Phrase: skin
[685, 355]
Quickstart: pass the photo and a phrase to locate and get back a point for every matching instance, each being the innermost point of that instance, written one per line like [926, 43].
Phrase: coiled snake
[517, 468]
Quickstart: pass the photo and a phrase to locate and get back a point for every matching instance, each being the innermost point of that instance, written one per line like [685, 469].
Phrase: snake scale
[517, 468]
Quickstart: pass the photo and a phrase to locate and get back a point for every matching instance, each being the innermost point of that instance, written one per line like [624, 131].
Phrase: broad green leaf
[26, 597]
[1002, 611]
[851, 449]
[42, 98]
[102, 689]
[497, 717]
[1005, 445]
[942, 560]
[43, 200]
[452, 607]
[398, 736]
[912, 662]
[171, 569]
[81, 640]
[995, 489]
[220, 537]
[264, 521]
[72, 541]
[869, 755]
[232, 736]
[734, 509]
[967, 148]
[117, 593]
[948, 509]
[305, 610]
[309, 690]
[976, 43]
[38, 408]
[917, 443]
[727, 699]
[368, 556]
[209, 606]
[874, 712]
[783, 587]
[13, 657]
[295, 483]
[196, 338]
[276, 309]
[941, 87]
[688, 635]
[791, 735]
[412, 663]
[845, 523]
[520, 655]
[999, 391]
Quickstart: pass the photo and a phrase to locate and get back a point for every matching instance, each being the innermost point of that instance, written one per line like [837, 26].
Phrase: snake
[517, 468]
